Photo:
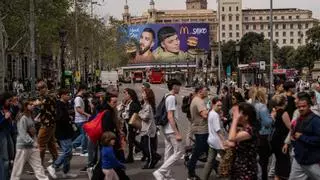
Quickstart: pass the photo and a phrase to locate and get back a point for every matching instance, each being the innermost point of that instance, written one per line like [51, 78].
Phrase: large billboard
[166, 43]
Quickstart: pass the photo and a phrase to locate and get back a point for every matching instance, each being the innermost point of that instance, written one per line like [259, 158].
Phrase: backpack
[185, 107]
[161, 118]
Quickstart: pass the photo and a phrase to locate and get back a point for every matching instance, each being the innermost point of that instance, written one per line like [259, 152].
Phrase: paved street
[134, 170]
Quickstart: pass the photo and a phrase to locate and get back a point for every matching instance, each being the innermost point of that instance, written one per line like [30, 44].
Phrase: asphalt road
[134, 170]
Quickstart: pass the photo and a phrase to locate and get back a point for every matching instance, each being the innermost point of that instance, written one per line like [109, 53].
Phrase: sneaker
[193, 177]
[52, 172]
[158, 175]
[69, 175]
[84, 154]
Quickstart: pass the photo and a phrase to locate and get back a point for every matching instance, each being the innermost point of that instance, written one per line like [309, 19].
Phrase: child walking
[108, 159]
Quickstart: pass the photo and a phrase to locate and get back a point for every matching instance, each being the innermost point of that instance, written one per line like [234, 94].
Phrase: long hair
[132, 94]
[249, 110]
[151, 98]
[24, 110]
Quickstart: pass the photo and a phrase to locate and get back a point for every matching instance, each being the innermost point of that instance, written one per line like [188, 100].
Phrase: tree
[229, 56]
[313, 35]
[286, 55]
[247, 42]
[301, 58]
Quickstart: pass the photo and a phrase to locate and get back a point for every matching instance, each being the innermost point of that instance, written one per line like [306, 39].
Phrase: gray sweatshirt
[24, 139]
[148, 124]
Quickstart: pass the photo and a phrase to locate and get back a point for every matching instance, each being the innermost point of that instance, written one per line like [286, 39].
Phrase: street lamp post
[238, 68]
[271, 46]
[63, 39]
[86, 51]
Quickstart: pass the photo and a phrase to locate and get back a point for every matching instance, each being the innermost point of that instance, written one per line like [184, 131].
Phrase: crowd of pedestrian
[239, 132]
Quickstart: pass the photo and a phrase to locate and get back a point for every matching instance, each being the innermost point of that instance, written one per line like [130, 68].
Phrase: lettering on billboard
[197, 31]
[184, 30]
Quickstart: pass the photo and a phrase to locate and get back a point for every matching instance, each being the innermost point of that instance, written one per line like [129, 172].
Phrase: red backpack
[93, 128]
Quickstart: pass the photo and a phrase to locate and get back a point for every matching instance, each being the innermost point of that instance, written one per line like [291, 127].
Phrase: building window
[230, 27]
[282, 17]
[230, 34]
[237, 18]
[223, 34]
[299, 26]
[275, 17]
[291, 41]
[277, 34]
[268, 26]
[254, 27]
[297, 17]
[290, 17]
[230, 17]
[269, 34]
[246, 18]
[223, 27]
[284, 34]
[222, 9]
[277, 26]
[223, 18]
[230, 9]
[253, 18]
[291, 26]
[261, 26]
[307, 25]
[268, 17]
[260, 17]
[237, 8]
[284, 41]
[291, 34]
[247, 27]
[299, 41]
[284, 26]
[277, 40]
[238, 34]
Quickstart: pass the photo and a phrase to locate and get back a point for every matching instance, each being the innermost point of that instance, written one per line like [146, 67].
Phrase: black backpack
[161, 118]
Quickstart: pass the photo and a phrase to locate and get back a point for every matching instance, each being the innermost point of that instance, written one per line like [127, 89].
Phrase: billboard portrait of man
[169, 46]
[146, 42]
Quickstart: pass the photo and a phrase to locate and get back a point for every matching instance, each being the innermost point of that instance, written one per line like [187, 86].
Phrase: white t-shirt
[79, 118]
[214, 125]
[171, 105]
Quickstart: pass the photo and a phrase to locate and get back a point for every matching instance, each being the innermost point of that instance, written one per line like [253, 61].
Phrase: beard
[142, 51]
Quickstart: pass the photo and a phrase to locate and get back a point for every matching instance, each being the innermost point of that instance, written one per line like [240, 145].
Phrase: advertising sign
[166, 43]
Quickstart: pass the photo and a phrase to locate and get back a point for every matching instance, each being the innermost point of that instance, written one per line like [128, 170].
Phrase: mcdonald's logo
[184, 30]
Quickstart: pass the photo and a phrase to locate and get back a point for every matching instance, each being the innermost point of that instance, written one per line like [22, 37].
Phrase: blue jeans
[200, 147]
[66, 156]
[5, 152]
[82, 139]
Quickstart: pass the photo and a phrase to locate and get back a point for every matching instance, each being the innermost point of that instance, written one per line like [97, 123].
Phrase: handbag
[224, 168]
[135, 121]
[93, 128]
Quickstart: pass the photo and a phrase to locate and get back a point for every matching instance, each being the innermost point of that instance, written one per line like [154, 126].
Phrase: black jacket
[307, 146]
[64, 128]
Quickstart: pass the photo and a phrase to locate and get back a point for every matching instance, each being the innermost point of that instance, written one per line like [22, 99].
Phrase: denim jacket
[264, 116]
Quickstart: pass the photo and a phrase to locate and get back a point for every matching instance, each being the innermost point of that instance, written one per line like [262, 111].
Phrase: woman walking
[245, 165]
[27, 148]
[281, 129]
[131, 106]
[148, 130]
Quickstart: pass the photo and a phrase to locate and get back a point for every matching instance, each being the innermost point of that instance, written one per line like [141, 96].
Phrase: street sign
[262, 65]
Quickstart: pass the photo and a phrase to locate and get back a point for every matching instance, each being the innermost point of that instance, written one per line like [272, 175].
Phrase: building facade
[290, 24]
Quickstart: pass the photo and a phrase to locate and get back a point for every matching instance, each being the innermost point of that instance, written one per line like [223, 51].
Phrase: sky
[137, 7]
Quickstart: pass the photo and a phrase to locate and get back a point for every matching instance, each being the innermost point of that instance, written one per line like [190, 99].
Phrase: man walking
[306, 138]
[46, 136]
[173, 138]
[80, 118]
[199, 127]
[64, 134]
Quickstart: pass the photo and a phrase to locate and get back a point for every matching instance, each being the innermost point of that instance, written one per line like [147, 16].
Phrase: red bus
[156, 76]
[137, 76]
